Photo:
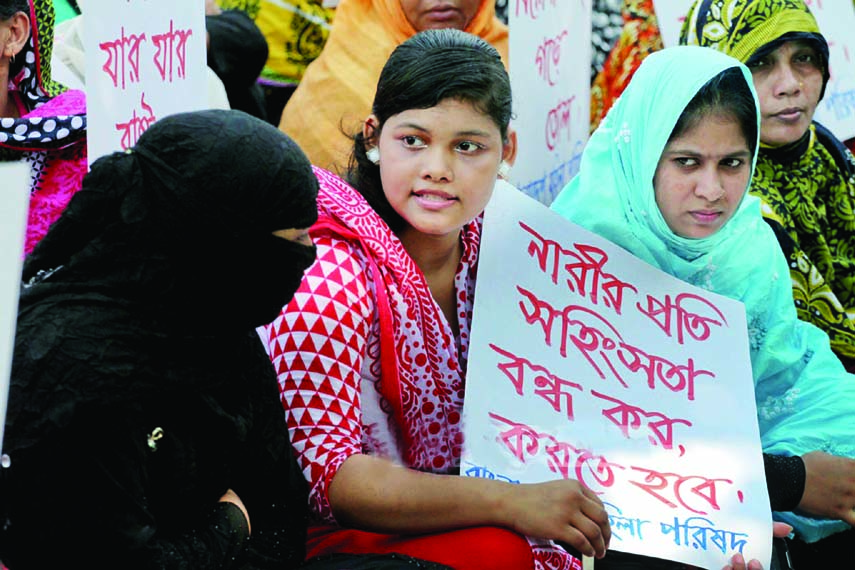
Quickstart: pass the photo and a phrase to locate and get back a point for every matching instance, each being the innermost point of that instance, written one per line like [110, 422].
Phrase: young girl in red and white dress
[372, 351]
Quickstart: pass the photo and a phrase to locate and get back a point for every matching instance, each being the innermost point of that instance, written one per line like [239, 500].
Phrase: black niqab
[138, 312]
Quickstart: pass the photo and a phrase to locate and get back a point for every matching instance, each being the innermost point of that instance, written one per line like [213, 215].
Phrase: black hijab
[183, 222]
[154, 278]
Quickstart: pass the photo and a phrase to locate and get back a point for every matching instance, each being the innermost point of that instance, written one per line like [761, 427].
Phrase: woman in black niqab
[140, 391]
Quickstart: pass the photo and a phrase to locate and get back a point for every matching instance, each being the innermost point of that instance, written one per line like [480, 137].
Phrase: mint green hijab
[805, 398]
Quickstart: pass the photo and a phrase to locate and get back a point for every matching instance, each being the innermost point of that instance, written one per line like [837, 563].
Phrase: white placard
[589, 364]
[550, 59]
[836, 20]
[145, 59]
[14, 202]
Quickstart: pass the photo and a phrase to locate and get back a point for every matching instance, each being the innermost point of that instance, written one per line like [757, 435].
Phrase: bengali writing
[123, 55]
[602, 346]
[699, 533]
[603, 373]
[136, 125]
[583, 266]
[582, 269]
[547, 385]
[626, 417]
[841, 103]
[123, 65]
[559, 394]
[550, 184]
[695, 493]
[123, 58]
[693, 532]
[548, 57]
[472, 470]
[534, 9]
[676, 320]
[559, 121]
[591, 330]
[171, 52]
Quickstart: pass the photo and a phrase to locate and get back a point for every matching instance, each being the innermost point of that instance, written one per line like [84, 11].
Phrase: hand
[738, 563]
[231, 497]
[829, 487]
[564, 511]
[779, 530]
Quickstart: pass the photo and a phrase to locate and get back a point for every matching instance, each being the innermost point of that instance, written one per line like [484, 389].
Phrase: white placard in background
[836, 20]
[550, 59]
[14, 202]
[586, 363]
[145, 59]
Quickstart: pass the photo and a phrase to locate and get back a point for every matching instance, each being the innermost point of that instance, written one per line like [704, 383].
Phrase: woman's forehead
[795, 44]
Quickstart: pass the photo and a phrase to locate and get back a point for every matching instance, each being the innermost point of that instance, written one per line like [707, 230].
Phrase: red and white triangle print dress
[367, 362]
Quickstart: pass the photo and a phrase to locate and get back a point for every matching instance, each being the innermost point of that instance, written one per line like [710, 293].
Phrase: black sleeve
[268, 478]
[785, 479]
[84, 495]
[842, 157]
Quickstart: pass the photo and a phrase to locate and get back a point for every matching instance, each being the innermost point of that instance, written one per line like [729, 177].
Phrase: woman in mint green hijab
[665, 176]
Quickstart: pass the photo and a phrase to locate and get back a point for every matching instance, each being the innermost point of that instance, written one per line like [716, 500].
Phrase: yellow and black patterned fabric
[251, 7]
[808, 195]
[295, 30]
[807, 188]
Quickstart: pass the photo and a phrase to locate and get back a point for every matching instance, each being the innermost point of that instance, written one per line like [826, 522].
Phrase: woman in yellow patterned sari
[805, 176]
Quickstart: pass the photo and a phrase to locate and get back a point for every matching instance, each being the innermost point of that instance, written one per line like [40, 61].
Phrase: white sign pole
[14, 202]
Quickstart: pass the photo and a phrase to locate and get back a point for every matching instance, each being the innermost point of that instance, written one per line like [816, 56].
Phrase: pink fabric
[71, 102]
[57, 174]
[367, 362]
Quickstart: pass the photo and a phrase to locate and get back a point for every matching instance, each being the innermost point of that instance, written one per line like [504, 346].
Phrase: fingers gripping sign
[564, 511]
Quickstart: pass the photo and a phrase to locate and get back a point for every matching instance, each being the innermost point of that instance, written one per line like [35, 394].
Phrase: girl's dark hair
[9, 8]
[727, 93]
[428, 68]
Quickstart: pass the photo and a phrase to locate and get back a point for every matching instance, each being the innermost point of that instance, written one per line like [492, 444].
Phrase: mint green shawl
[805, 398]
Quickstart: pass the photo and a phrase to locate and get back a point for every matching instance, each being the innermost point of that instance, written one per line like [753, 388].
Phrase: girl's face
[702, 175]
[788, 83]
[438, 165]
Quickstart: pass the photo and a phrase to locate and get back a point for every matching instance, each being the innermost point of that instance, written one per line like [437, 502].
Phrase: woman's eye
[686, 161]
[733, 162]
[412, 140]
[805, 58]
[758, 64]
[469, 146]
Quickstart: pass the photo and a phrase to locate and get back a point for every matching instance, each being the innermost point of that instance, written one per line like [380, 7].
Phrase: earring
[373, 154]
[504, 170]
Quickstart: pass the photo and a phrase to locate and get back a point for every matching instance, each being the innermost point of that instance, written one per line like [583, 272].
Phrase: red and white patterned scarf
[422, 365]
